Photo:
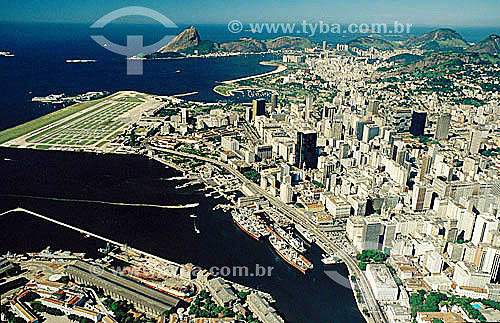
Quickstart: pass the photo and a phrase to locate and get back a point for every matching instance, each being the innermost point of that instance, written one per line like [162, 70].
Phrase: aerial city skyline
[268, 162]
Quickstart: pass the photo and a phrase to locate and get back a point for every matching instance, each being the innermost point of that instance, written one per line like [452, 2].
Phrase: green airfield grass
[60, 125]
[20, 130]
[87, 128]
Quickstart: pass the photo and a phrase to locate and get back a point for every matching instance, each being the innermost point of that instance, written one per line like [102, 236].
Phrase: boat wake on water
[175, 178]
[186, 206]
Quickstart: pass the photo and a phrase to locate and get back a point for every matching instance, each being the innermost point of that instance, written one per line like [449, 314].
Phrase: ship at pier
[249, 223]
[288, 253]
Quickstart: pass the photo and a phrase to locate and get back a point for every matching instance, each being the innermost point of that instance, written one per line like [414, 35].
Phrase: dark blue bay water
[39, 68]
[168, 233]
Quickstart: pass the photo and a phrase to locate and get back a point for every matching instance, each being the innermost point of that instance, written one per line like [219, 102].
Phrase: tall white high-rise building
[286, 193]
[443, 127]
[475, 137]
[434, 262]
[485, 222]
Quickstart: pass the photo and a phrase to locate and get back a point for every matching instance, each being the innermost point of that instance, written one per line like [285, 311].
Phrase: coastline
[279, 68]
[290, 272]
[185, 94]
[231, 91]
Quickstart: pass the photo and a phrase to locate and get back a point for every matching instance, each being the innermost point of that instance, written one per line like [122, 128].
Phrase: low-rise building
[429, 317]
[262, 310]
[222, 293]
[383, 284]
[337, 206]
[23, 311]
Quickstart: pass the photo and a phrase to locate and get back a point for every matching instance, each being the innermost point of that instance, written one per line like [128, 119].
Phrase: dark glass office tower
[418, 120]
[305, 152]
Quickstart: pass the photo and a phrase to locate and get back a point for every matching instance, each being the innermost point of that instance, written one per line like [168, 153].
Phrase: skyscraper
[274, 102]
[372, 108]
[476, 135]
[259, 108]
[360, 128]
[400, 119]
[485, 222]
[286, 193]
[418, 119]
[443, 127]
[370, 131]
[249, 114]
[309, 107]
[184, 115]
[309, 102]
[305, 152]
[284, 171]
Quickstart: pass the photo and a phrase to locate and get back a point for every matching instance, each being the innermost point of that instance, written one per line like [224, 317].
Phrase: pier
[64, 225]
[119, 244]
[125, 246]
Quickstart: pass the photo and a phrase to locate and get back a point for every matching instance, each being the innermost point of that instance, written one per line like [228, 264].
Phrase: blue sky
[417, 12]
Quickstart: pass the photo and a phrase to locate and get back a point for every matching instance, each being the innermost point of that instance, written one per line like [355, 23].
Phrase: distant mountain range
[440, 40]
[189, 42]
[366, 42]
[490, 45]
[436, 41]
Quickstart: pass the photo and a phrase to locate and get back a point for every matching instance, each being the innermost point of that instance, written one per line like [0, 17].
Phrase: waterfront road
[373, 308]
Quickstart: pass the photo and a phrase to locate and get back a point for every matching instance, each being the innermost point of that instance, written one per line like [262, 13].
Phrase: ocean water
[39, 68]
[168, 233]
[41, 49]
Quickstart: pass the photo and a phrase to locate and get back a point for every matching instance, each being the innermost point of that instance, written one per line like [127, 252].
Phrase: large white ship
[288, 237]
[249, 223]
[289, 254]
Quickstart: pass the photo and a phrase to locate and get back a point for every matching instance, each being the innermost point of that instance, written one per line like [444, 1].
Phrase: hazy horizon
[444, 13]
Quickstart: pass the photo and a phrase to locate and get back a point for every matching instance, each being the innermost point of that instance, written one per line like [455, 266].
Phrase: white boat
[330, 259]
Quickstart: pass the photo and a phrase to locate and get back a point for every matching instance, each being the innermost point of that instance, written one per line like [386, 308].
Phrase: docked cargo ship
[297, 244]
[288, 253]
[249, 223]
